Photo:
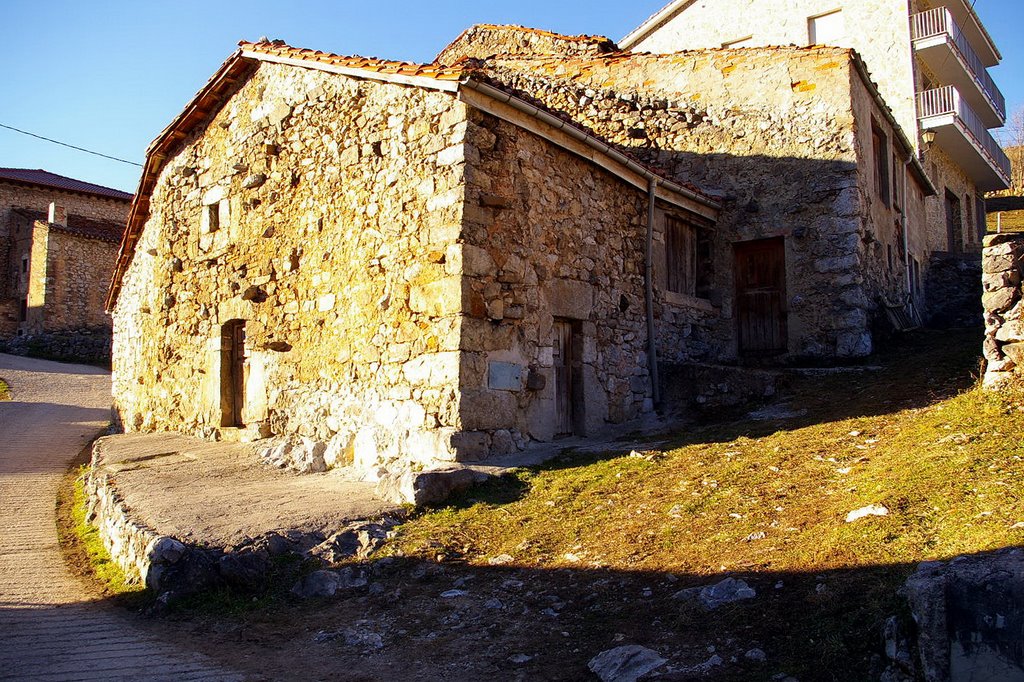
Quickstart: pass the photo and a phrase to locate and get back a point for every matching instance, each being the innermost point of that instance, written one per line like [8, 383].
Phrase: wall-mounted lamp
[928, 138]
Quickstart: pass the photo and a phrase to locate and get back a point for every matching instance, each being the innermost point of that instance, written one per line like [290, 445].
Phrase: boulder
[969, 614]
[625, 663]
[724, 592]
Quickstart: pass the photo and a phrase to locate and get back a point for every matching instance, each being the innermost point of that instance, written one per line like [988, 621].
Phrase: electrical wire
[65, 144]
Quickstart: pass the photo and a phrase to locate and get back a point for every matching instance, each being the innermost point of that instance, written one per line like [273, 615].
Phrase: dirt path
[48, 629]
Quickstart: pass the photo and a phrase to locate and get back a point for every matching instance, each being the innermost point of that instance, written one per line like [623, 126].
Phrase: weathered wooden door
[232, 373]
[563, 377]
[761, 296]
[954, 223]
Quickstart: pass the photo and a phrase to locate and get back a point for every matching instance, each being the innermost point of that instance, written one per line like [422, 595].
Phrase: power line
[65, 144]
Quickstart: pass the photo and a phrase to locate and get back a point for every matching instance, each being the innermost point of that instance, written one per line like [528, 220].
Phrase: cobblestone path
[48, 629]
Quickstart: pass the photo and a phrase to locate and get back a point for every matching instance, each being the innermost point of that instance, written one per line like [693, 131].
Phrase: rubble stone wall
[484, 40]
[779, 133]
[335, 201]
[549, 236]
[78, 275]
[1002, 265]
[946, 175]
[12, 289]
[713, 23]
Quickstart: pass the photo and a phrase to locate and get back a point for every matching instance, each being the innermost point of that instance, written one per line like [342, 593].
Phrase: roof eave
[653, 22]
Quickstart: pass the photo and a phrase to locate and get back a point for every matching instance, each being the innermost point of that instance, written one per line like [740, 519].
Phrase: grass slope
[768, 501]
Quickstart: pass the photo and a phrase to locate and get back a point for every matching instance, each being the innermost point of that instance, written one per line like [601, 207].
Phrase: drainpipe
[652, 344]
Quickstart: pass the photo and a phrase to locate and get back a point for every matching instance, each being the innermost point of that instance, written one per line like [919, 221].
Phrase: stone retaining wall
[132, 546]
[1004, 329]
[85, 345]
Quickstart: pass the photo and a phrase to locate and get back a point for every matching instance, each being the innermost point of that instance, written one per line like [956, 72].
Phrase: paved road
[48, 630]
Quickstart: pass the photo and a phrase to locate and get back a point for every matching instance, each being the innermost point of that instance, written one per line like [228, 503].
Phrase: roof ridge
[580, 38]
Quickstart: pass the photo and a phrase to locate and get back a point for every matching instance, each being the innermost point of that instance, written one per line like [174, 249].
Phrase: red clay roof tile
[29, 176]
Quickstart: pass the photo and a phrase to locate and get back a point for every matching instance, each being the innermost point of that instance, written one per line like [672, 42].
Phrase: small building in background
[58, 243]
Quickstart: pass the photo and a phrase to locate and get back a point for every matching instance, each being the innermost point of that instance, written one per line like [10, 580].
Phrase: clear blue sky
[109, 75]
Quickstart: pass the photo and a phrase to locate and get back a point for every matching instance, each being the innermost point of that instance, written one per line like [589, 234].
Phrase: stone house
[399, 265]
[930, 61]
[58, 243]
[387, 264]
[822, 195]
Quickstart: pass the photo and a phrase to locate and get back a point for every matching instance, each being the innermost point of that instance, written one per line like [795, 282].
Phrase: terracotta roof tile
[29, 176]
[385, 66]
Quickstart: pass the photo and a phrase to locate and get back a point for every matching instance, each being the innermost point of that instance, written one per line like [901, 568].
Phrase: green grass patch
[84, 547]
[5, 390]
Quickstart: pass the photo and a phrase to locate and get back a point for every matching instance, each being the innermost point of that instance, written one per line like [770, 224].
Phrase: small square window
[213, 217]
[826, 29]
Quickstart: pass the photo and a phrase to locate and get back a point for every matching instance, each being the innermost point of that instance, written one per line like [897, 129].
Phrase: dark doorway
[232, 373]
[761, 296]
[565, 378]
[954, 223]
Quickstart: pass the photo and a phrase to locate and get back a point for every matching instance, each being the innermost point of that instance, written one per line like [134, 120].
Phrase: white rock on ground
[864, 512]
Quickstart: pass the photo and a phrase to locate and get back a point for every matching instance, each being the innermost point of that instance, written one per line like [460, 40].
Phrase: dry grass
[743, 497]
[1012, 221]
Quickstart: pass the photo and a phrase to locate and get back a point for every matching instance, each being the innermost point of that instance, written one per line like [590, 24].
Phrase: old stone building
[930, 61]
[399, 265]
[58, 244]
[389, 264]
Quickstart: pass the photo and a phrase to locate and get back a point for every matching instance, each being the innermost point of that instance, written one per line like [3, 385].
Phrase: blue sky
[110, 75]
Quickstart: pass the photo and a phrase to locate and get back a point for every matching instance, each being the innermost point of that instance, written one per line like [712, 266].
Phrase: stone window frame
[216, 211]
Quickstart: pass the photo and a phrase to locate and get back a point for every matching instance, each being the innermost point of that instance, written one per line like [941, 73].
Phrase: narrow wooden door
[232, 373]
[761, 296]
[563, 377]
[954, 223]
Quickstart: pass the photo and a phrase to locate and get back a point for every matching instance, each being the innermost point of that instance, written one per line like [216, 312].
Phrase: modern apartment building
[928, 58]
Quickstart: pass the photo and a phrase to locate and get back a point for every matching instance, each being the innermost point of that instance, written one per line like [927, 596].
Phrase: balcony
[947, 52]
[962, 134]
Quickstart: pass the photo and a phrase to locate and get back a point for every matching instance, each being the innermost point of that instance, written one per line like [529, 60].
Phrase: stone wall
[549, 237]
[878, 29]
[783, 135]
[1002, 262]
[486, 40]
[79, 271]
[88, 271]
[336, 201]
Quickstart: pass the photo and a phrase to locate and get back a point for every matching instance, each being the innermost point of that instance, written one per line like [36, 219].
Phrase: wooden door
[761, 296]
[954, 223]
[232, 373]
[562, 332]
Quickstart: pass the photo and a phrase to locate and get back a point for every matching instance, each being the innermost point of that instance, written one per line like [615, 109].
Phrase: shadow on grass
[913, 371]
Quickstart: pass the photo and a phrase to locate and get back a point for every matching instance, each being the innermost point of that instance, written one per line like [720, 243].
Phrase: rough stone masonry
[1001, 264]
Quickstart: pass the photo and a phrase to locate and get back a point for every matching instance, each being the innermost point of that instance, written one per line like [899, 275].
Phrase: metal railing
[946, 101]
[939, 21]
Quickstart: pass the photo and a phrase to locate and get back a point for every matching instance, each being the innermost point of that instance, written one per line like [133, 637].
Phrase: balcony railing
[947, 101]
[939, 21]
